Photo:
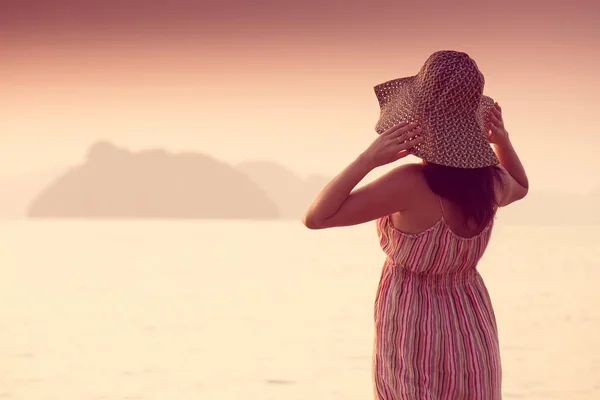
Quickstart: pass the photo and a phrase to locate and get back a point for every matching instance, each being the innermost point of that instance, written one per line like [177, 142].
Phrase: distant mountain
[291, 193]
[116, 183]
[17, 192]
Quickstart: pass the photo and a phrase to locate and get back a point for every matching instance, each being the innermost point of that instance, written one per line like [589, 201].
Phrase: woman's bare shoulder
[413, 179]
[410, 171]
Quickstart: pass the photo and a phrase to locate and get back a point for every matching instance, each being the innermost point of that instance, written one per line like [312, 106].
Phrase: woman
[435, 329]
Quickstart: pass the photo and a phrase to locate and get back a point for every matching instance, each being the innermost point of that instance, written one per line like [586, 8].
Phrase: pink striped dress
[435, 329]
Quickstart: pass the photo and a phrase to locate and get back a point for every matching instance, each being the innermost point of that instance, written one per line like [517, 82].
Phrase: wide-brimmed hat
[446, 98]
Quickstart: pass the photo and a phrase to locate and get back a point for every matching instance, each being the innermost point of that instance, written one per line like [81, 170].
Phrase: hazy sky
[290, 81]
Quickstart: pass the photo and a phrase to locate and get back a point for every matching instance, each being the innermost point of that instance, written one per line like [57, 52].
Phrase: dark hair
[472, 189]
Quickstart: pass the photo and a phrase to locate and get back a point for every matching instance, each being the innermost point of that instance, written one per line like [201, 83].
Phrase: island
[117, 183]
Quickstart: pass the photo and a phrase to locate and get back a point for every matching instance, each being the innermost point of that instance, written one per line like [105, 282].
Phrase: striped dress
[435, 329]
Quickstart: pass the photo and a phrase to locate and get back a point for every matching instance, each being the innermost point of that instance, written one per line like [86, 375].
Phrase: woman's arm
[339, 205]
[510, 161]
[336, 192]
[516, 184]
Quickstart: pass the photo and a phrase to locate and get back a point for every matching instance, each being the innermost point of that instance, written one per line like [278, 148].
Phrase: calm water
[253, 310]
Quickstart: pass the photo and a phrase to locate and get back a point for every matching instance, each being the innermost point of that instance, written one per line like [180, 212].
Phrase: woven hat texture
[446, 98]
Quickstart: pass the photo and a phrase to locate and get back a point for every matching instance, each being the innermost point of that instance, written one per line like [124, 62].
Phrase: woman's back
[437, 249]
[434, 319]
[432, 208]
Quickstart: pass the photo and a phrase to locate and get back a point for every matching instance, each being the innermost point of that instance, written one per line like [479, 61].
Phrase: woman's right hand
[393, 144]
[497, 133]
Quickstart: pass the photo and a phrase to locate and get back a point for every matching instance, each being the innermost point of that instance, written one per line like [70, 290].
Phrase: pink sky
[286, 81]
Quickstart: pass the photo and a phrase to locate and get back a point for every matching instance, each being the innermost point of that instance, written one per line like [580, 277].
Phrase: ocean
[223, 310]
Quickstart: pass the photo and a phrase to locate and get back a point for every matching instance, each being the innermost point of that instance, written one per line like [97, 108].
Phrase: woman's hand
[497, 133]
[337, 204]
[392, 144]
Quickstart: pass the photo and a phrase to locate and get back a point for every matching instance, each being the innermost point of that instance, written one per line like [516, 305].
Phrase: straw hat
[446, 98]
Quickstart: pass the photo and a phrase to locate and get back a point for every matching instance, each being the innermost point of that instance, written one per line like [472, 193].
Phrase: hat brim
[448, 139]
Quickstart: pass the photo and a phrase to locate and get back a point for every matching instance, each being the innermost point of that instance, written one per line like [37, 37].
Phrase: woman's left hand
[393, 144]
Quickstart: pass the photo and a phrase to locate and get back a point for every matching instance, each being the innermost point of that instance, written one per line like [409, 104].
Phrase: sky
[288, 81]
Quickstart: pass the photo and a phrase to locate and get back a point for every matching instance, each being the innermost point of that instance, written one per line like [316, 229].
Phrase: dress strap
[441, 205]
